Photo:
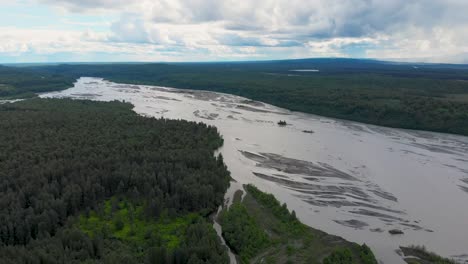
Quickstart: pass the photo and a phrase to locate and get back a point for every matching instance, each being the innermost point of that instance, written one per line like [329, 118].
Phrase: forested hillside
[423, 96]
[21, 82]
[89, 182]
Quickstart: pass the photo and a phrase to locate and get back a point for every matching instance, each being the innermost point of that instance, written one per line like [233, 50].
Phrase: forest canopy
[67, 167]
[23, 83]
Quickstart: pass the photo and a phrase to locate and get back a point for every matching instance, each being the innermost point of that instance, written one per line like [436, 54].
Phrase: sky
[220, 30]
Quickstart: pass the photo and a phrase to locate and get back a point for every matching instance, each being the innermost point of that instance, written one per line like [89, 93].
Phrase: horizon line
[232, 61]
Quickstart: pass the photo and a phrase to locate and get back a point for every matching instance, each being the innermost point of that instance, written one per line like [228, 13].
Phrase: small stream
[219, 231]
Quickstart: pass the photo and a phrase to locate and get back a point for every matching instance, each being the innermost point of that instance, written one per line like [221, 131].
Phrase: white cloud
[436, 45]
[212, 29]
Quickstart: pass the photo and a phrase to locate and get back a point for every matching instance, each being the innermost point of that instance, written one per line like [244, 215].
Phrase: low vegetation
[345, 256]
[419, 255]
[282, 123]
[129, 222]
[261, 230]
[242, 232]
[187, 238]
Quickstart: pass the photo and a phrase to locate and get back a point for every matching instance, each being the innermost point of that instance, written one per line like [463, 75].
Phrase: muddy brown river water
[350, 179]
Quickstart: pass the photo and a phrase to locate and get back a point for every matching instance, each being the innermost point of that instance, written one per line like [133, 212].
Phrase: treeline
[345, 256]
[242, 233]
[62, 158]
[427, 97]
[23, 83]
[259, 229]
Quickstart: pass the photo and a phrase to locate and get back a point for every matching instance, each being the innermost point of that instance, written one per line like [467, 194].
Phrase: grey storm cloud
[233, 39]
[345, 18]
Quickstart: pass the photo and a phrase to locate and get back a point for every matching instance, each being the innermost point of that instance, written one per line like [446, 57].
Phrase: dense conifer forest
[89, 182]
[22, 82]
[416, 96]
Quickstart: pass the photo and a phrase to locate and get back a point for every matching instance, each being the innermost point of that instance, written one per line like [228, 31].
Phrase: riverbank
[420, 255]
[259, 229]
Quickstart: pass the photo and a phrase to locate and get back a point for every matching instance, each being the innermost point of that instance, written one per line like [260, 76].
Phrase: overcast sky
[215, 30]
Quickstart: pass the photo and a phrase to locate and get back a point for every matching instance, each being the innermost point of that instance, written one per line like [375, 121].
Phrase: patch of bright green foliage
[261, 230]
[126, 221]
[242, 232]
[138, 238]
[288, 220]
[345, 256]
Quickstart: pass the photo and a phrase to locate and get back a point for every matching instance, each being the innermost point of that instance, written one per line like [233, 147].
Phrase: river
[354, 180]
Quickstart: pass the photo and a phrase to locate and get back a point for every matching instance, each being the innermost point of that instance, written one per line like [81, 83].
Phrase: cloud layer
[423, 30]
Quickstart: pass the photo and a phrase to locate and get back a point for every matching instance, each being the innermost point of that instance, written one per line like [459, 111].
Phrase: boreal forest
[88, 182]
[24, 83]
